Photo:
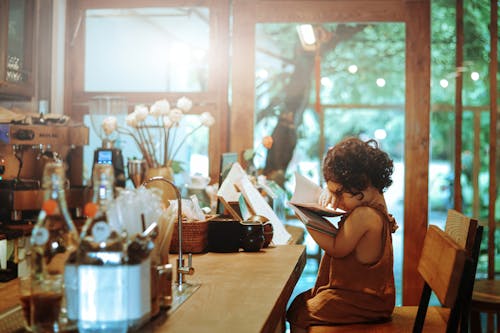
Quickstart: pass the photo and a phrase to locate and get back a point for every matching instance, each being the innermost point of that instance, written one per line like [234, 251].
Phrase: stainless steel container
[109, 298]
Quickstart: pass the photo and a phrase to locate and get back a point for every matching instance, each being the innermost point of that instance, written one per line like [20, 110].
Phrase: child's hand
[325, 198]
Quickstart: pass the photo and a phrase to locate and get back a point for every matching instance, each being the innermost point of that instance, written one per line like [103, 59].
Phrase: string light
[307, 36]
[262, 74]
[325, 81]
[380, 134]
[380, 82]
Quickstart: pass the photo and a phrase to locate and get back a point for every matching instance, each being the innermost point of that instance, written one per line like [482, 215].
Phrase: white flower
[175, 115]
[109, 125]
[160, 108]
[207, 119]
[167, 122]
[131, 120]
[184, 104]
[158, 145]
[141, 112]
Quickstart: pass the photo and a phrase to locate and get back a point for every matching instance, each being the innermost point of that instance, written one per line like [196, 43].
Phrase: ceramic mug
[252, 236]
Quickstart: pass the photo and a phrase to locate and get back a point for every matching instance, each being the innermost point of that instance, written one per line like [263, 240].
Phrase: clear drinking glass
[41, 302]
[25, 300]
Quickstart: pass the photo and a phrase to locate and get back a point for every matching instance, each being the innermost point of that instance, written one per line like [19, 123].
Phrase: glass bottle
[102, 288]
[53, 240]
[97, 234]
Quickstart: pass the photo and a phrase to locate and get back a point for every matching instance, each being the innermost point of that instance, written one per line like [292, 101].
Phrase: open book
[304, 202]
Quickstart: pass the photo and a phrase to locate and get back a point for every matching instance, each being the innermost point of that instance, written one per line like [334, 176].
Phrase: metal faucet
[181, 269]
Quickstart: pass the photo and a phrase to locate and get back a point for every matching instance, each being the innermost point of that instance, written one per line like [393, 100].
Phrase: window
[145, 51]
[16, 47]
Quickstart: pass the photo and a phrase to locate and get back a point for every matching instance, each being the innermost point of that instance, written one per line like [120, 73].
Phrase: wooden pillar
[457, 187]
[493, 136]
[417, 127]
[219, 76]
[243, 83]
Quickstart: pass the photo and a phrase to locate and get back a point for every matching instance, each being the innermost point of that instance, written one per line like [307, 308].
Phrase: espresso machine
[24, 150]
[100, 108]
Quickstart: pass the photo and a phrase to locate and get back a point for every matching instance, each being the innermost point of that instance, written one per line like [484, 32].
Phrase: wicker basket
[194, 237]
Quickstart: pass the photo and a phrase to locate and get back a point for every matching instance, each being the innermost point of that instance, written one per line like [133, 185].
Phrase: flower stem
[151, 144]
[183, 141]
[143, 150]
[171, 144]
[166, 132]
[146, 140]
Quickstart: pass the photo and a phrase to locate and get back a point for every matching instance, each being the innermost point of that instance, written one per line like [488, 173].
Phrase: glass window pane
[16, 40]
[146, 49]
[474, 156]
[362, 93]
[192, 149]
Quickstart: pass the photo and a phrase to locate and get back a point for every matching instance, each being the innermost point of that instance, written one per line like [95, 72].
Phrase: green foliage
[355, 105]
[378, 51]
[177, 166]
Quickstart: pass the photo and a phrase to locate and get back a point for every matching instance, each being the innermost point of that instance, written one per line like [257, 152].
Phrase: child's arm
[360, 222]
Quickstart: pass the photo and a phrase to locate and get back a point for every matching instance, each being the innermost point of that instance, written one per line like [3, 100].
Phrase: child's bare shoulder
[365, 215]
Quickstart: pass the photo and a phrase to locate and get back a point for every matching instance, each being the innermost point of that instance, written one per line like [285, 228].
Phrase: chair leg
[490, 326]
[475, 322]
[418, 325]
[497, 315]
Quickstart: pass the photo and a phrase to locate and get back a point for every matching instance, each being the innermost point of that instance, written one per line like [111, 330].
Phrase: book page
[306, 191]
[318, 209]
[306, 195]
[228, 189]
[315, 221]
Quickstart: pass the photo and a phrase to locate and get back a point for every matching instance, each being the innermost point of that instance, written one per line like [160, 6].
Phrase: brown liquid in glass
[46, 307]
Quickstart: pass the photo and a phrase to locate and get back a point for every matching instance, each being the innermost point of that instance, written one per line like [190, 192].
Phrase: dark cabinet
[17, 19]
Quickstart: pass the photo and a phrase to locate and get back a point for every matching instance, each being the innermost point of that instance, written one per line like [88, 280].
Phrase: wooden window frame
[214, 99]
[416, 16]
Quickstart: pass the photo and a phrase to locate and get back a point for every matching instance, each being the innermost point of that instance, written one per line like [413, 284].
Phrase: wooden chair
[486, 293]
[463, 231]
[485, 299]
[448, 270]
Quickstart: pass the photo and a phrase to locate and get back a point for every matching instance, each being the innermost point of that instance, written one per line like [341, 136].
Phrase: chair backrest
[467, 233]
[441, 265]
[448, 266]
[462, 229]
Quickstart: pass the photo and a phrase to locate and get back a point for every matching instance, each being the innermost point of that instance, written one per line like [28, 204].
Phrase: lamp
[307, 36]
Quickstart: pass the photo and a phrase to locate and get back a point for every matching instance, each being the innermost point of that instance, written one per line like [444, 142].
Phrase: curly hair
[355, 165]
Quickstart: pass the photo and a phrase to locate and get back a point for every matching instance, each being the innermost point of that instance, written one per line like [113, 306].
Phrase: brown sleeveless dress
[347, 291]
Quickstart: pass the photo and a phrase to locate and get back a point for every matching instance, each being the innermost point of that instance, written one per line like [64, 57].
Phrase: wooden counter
[239, 292]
